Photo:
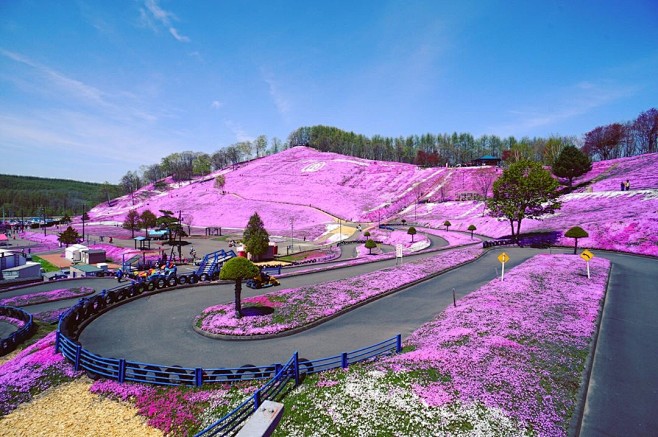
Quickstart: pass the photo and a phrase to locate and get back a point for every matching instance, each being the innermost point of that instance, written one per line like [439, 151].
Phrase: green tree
[147, 220]
[69, 236]
[370, 244]
[366, 234]
[576, 232]
[571, 163]
[201, 164]
[255, 237]
[447, 224]
[65, 220]
[131, 222]
[472, 228]
[525, 190]
[411, 231]
[236, 269]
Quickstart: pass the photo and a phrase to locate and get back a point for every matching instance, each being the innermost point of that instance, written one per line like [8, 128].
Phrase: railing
[272, 390]
[79, 315]
[495, 243]
[21, 334]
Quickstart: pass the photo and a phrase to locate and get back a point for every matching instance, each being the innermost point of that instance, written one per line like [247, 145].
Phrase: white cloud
[51, 81]
[281, 101]
[238, 131]
[154, 16]
[570, 102]
[216, 104]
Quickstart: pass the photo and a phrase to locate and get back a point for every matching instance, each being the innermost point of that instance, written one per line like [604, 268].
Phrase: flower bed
[31, 372]
[16, 322]
[507, 360]
[297, 307]
[177, 411]
[46, 296]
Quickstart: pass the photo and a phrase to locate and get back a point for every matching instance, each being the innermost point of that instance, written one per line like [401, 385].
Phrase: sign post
[503, 258]
[587, 255]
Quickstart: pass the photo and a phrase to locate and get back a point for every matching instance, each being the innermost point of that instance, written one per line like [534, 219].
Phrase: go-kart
[262, 280]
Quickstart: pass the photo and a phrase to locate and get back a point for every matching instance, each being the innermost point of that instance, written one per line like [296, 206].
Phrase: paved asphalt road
[158, 329]
[622, 398]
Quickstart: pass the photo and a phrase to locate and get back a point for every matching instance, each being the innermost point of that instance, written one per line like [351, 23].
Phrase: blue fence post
[198, 377]
[295, 364]
[256, 399]
[57, 334]
[122, 370]
[277, 368]
[343, 360]
[398, 343]
[78, 349]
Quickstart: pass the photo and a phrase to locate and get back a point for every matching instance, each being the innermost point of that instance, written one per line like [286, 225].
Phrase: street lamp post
[43, 211]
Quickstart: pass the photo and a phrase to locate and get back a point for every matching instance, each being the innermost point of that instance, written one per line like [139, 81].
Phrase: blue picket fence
[17, 337]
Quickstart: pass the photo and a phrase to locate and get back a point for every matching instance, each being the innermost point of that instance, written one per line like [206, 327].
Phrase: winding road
[621, 398]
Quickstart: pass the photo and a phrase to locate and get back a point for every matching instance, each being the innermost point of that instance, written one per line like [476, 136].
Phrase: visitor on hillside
[628, 185]
[623, 186]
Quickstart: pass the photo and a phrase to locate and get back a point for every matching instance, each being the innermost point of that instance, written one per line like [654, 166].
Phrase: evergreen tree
[524, 190]
[237, 269]
[576, 232]
[255, 237]
[370, 244]
[447, 224]
[411, 231]
[570, 164]
[471, 228]
[69, 236]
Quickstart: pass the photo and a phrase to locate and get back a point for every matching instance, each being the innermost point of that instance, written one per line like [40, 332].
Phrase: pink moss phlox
[301, 306]
[46, 296]
[499, 344]
[32, 371]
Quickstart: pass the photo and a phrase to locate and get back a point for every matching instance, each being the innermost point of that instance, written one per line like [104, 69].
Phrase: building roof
[488, 158]
[86, 268]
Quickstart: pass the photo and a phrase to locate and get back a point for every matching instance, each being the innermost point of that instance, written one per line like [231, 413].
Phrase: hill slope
[312, 189]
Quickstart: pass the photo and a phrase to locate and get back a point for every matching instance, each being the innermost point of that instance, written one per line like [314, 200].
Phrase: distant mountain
[27, 195]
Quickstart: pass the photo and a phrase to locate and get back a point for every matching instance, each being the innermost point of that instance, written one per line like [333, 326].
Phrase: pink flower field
[516, 345]
[46, 296]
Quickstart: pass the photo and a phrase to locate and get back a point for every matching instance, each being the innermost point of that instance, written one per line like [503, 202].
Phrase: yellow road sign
[503, 258]
[587, 255]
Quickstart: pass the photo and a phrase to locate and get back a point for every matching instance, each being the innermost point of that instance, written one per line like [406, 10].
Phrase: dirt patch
[56, 259]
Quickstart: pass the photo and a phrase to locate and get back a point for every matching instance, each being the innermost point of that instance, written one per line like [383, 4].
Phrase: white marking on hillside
[648, 194]
[311, 168]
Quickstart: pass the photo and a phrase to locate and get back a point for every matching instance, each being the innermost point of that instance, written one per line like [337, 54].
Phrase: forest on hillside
[32, 196]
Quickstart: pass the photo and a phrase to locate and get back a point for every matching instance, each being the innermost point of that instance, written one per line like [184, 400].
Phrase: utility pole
[292, 230]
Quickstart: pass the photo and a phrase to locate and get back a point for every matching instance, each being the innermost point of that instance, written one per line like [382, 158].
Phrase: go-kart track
[619, 399]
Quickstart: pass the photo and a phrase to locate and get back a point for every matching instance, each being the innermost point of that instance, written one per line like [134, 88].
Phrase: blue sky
[92, 89]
